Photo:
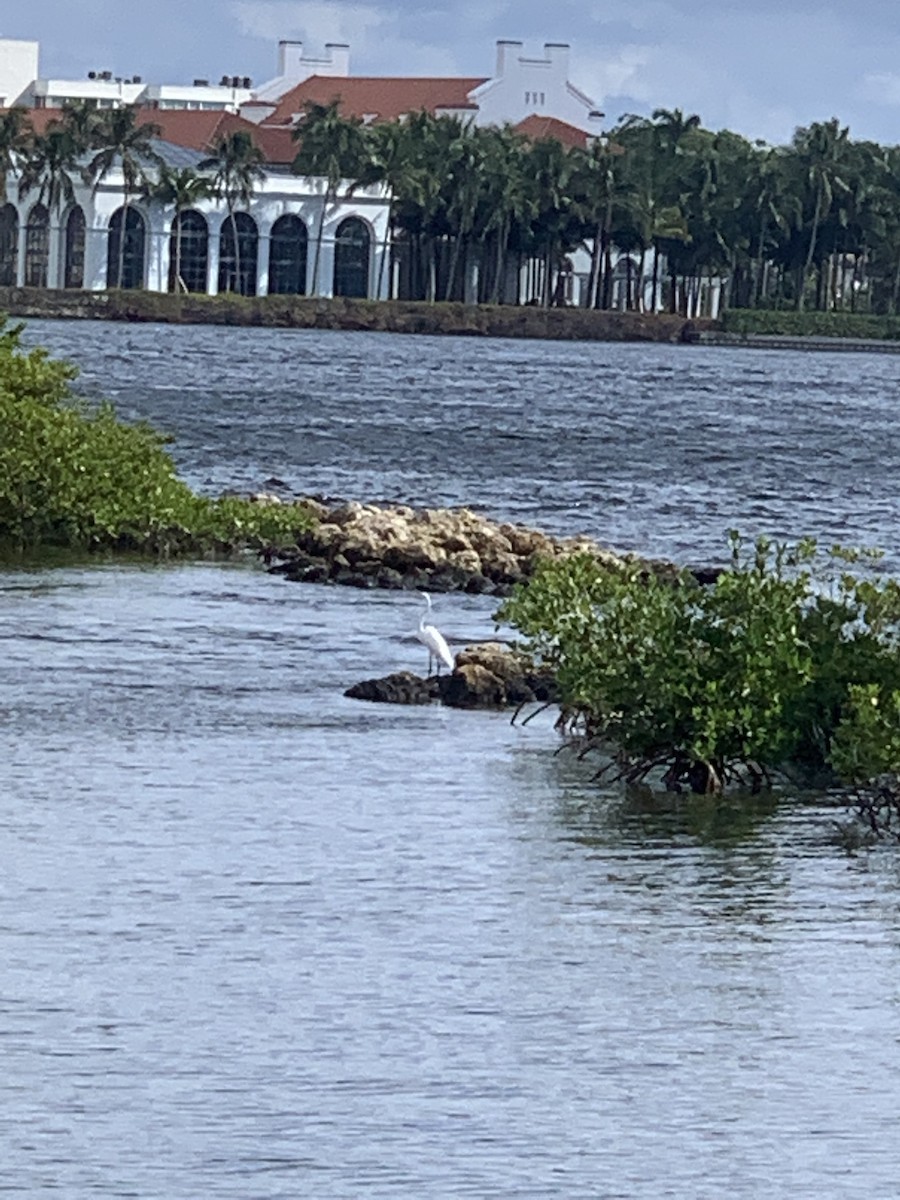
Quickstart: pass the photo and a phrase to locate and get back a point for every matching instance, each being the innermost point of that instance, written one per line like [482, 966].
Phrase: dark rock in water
[403, 687]
[473, 686]
[489, 675]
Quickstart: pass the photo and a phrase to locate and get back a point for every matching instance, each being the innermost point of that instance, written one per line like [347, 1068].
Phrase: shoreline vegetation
[782, 665]
[737, 327]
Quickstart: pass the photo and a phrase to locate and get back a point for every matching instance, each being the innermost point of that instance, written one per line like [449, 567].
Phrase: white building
[276, 240]
[21, 83]
[18, 69]
[522, 88]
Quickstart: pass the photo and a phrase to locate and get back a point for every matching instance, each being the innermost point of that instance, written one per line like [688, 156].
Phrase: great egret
[428, 635]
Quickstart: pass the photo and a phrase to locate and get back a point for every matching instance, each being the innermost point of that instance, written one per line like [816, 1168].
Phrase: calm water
[258, 940]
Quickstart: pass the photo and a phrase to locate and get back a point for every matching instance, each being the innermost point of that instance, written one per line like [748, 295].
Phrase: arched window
[237, 263]
[351, 258]
[74, 253]
[37, 247]
[287, 257]
[189, 253]
[9, 246]
[125, 261]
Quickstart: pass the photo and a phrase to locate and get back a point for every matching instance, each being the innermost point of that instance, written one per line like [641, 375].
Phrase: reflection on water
[259, 940]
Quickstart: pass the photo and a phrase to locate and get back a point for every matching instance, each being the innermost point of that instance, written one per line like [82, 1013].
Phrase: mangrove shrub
[74, 475]
[788, 660]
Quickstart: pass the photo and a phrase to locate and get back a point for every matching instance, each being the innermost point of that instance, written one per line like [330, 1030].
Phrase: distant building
[95, 243]
[18, 70]
[82, 247]
[522, 90]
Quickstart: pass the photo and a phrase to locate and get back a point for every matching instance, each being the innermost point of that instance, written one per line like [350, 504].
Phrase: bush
[810, 324]
[777, 663]
[76, 476]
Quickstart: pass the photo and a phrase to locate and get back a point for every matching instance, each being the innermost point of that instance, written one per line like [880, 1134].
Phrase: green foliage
[810, 324]
[76, 476]
[768, 666]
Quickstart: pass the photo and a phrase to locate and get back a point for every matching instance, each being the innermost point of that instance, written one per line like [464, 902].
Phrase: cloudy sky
[762, 67]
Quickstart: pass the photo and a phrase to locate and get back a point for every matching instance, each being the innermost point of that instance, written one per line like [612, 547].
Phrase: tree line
[814, 224]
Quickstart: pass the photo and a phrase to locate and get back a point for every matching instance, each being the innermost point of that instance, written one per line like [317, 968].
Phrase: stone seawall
[387, 316]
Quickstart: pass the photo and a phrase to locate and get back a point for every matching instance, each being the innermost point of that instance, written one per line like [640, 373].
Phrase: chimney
[290, 61]
[506, 50]
[557, 54]
[339, 56]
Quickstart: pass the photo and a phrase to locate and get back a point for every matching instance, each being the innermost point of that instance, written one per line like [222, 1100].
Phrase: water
[658, 449]
[258, 940]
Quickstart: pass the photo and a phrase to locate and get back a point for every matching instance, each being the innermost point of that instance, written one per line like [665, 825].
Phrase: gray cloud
[761, 71]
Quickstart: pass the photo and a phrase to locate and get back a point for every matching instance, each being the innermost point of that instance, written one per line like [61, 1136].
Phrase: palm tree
[333, 147]
[124, 144]
[504, 201]
[237, 166]
[13, 140]
[182, 189]
[389, 161]
[820, 150]
[465, 170]
[81, 118]
[50, 168]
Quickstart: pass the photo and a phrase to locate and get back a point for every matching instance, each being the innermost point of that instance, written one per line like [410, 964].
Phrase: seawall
[385, 316]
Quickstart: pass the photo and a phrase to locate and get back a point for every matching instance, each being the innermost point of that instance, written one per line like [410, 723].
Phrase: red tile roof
[536, 127]
[197, 130]
[201, 130]
[385, 99]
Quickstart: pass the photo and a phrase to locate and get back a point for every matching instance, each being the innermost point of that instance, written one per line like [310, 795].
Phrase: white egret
[428, 635]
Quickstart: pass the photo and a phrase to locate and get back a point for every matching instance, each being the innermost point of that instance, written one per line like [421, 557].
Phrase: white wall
[276, 196]
[18, 67]
[522, 86]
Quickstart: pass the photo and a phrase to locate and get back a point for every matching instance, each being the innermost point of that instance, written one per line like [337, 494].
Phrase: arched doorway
[37, 246]
[351, 258]
[189, 253]
[9, 246]
[287, 257]
[237, 262]
[73, 267]
[125, 261]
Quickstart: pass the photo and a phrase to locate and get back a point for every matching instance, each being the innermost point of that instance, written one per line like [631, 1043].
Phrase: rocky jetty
[441, 550]
[488, 675]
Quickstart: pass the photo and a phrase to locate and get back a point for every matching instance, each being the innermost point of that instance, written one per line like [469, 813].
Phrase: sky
[759, 67]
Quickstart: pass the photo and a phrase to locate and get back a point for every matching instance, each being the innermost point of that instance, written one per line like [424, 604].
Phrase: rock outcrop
[441, 550]
[489, 675]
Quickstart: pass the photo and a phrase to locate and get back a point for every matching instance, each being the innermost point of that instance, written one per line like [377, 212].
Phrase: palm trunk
[640, 283]
[594, 277]
[123, 233]
[454, 266]
[319, 235]
[606, 291]
[548, 270]
[814, 233]
[384, 250]
[237, 252]
[499, 260]
[178, 283]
